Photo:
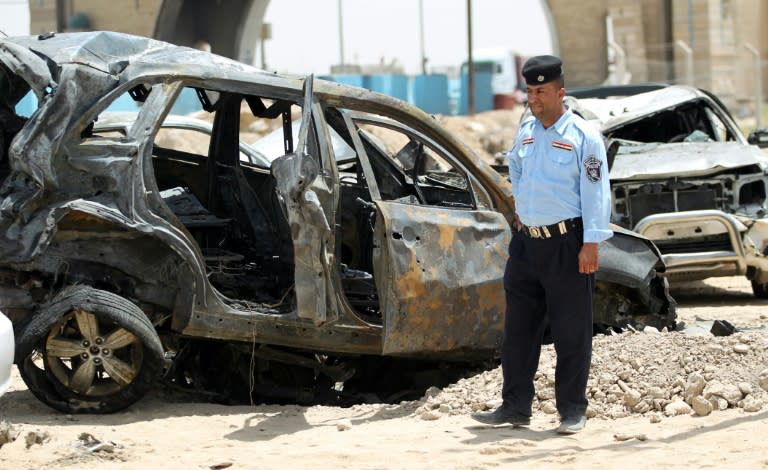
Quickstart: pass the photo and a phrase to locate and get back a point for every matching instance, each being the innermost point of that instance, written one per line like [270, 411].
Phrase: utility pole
[470, 64]
[61, 15]
[421, 38]
[341, 35]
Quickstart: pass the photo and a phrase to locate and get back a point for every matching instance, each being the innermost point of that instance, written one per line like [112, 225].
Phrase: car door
[305, 181]
[438, 258]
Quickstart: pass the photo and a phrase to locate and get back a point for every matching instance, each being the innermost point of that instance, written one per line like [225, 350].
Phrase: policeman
[559, 176]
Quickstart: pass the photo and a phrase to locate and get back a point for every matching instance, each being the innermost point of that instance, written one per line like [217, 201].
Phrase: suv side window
[430, 177]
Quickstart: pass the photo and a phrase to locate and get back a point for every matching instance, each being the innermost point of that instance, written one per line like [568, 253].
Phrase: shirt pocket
[524, 153]
[560, 156]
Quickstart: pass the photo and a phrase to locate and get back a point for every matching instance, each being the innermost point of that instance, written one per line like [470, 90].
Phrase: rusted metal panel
[443, 289]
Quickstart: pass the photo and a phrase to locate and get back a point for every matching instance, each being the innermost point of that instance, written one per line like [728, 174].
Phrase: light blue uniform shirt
[560, 173]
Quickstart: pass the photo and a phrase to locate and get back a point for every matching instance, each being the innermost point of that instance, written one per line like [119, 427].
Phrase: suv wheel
[95, 353]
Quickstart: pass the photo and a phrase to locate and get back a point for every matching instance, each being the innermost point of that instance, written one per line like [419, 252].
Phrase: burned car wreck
[372, 241]
[683, 175]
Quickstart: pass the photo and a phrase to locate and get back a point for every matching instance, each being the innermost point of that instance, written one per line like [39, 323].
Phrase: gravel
[635, 373]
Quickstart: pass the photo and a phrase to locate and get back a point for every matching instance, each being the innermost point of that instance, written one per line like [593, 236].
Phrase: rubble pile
[487, 133]
[649, 373]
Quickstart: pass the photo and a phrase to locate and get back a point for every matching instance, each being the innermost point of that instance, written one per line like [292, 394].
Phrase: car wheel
[98, 352]
[760, 290]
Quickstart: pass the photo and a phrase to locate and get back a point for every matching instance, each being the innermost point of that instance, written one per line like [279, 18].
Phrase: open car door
[305, 191]
[438, 258]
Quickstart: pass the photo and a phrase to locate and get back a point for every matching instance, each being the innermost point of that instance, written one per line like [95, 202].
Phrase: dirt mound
[650, 373]
[486, 133]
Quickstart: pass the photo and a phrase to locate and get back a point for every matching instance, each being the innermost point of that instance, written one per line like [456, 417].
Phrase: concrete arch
[231, 28]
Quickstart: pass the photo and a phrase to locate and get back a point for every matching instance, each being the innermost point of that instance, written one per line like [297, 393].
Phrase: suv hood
[690, 159]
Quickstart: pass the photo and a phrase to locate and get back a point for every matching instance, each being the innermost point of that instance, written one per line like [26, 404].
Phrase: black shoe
[572, 424]
[502, 416]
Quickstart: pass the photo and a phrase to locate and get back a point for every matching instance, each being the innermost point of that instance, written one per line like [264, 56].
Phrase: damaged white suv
[683, 175]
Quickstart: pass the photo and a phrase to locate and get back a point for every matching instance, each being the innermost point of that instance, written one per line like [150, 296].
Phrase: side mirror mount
[759, 137]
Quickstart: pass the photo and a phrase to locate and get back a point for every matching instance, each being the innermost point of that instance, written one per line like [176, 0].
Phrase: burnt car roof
[609, 113]
[112, 52]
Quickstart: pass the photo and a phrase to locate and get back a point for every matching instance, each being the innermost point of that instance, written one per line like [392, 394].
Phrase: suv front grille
[644, 204]
[711, 243]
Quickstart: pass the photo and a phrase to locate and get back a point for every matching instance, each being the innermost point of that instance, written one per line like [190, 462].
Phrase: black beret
[542, 69]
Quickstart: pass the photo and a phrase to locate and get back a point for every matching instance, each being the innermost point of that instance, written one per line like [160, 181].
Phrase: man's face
[546, 101]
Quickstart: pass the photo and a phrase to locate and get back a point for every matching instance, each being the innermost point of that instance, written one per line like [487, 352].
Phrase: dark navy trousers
[542, 282]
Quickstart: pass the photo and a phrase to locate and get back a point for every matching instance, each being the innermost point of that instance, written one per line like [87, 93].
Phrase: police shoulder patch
[592, 165]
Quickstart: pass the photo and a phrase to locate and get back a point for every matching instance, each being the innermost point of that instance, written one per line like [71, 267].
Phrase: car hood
[653, 160]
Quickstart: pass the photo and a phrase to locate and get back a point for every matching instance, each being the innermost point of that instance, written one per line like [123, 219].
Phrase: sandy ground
[165, 432]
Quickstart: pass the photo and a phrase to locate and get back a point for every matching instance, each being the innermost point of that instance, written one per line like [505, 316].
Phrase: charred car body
[121, 258]
[684, 176]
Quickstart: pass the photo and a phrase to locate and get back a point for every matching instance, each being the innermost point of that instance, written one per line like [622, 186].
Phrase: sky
[376, 30]
[14, 17]
[305, 33]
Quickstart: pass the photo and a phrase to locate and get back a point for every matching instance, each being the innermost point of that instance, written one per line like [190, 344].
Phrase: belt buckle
[534, 232]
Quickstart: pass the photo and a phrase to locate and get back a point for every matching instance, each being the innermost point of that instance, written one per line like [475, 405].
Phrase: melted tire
[760, 290]
[124, 374]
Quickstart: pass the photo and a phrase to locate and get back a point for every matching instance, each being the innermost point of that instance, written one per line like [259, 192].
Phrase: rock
[763, 380]
[694, 386]
[745, 387]
[475, 126]
[430, 415]
[714, 348]
[642, 407]
[655, 418]
[732, 394]
[751, 404]
[606, 379]
[741, 348]
[548, 407]
[36, 437]
[718, 403]
[626, 437]
[652, 330]
[701, 406]
[344, 425]
[546, 394]
[625, 374]
[676, 408]
[7, 433]
[493, 404]
[714, 388]
[632, 398]
[445, 408]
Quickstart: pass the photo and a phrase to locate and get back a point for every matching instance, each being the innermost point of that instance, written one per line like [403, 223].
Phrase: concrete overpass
[647, 31]
[232, 28]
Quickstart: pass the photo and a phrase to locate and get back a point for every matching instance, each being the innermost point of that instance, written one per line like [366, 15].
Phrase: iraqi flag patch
[562, 145]
[592, 165]
[528, 141]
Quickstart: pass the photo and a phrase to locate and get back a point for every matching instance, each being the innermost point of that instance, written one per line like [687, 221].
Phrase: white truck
[505, 65]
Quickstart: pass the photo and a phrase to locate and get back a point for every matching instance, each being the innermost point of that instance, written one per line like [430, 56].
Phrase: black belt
[555, 230]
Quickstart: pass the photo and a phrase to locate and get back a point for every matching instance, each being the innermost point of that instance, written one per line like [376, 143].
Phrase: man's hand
[588, 258]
